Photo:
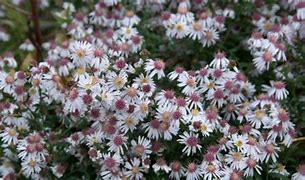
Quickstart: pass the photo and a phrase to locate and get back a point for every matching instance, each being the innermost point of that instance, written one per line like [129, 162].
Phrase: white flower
[188, 83]
[141, 147]
[155, 67]
[27, 46]
[130, 19]
[117, 143]
[31, 166]
[134, 170]
[193, 171]
[252, 165]
[240, 142]
[81, 53]
[191, 143]
[196, 31]
[301, 10]
[236, 160]
[300, 175]
[220, 61]
[9, 136]
[263, 60]
[211, 171]
[210, 37]
[180, 30]
[277, 90]
[161, 165]
[177, 170]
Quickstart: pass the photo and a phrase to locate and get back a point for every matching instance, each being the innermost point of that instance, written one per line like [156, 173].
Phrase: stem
[299, 139]
[37, 30]
[8, 5]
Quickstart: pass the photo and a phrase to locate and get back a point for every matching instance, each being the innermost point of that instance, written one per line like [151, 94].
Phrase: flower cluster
[272, 36]
[98, 106]
[131, 119]
[205, 29]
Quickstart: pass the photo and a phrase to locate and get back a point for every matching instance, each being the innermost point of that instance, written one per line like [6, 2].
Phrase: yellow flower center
[80, 53]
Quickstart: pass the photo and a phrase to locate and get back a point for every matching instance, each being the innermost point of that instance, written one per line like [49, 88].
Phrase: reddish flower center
[192, 141]
[192, 167]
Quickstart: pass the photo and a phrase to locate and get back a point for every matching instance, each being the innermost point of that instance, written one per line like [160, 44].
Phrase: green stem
[8, 5]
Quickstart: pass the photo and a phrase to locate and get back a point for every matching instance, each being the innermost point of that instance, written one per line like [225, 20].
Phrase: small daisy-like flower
[279, 168]
[252, 165]
[130, 19]
[300, 175]
[9, 136]
[277, 90]
[193, 171]
[191, 143]
[196, 31]
[211, 171]
[58, 170]
[81, 52]
[117, 143]
[134, 169]
[301, 10]
[152, 129]
[161, 165]
[180, 30]
[256, 40]
[177, 170]
[240, 141]
[269, 152]
[210, 37]
[263, 60]
[236, 160]
[111, 162]
[188, 82]
[219, 61]
[155, 67]
[31, 166]
[27, 46]
[141, 147]
[259, 118]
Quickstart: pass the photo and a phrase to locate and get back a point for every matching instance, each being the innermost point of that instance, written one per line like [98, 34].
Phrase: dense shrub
[152, 89]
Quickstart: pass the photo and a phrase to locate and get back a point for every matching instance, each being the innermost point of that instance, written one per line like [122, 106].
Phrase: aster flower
[220, 61]
[240, 142]
[9, 136]
[27, 46]
[188, 83]
[130, 19]
[301, 10]
[269, 152]
[252, 165]
[279, 168]
[177, 170]
[81, 53]
[180, 30]
[300, 174]
[117, 144]
[236, 160]
[161, 165]
[196, 31]
[211, 171]
[277, 90]
[31, 166]
[155, 67]
[111, 162]
[134, 169]
[263, 60]
[141, 147]
[193, 171]
[191, 143]
[210, 37]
